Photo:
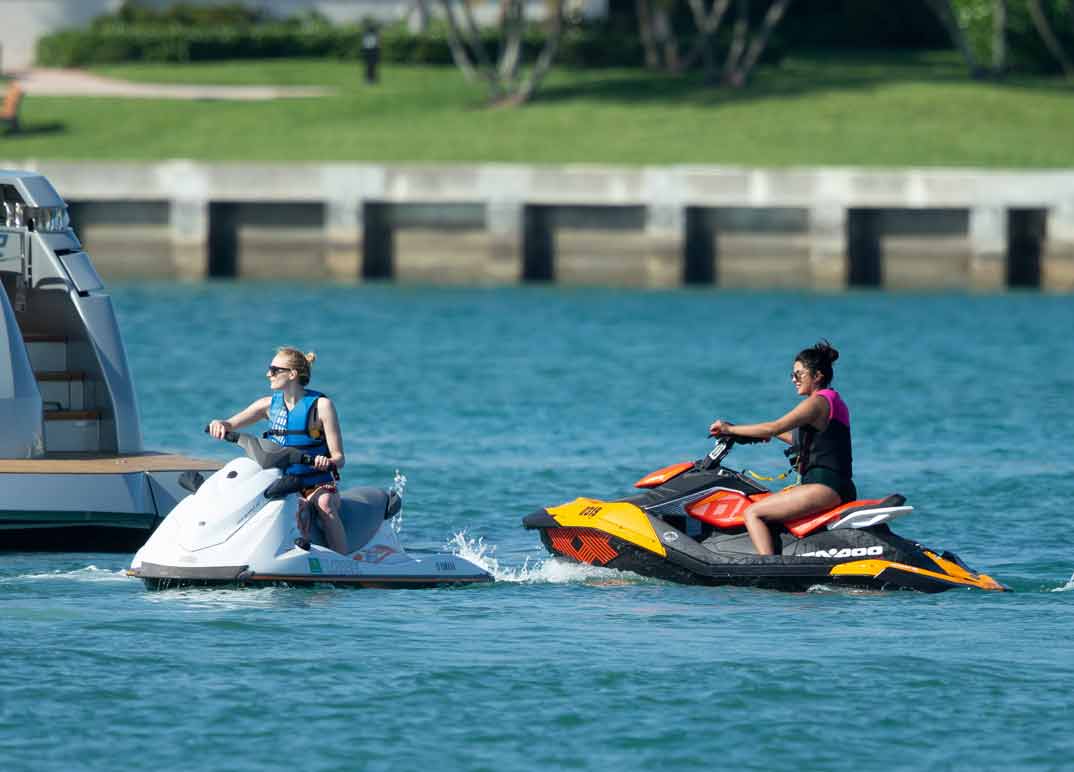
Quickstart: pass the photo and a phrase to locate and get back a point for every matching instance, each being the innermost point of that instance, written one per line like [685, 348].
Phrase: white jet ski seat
[362, 511]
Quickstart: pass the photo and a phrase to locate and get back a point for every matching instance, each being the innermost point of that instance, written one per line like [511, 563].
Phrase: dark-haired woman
[820, 427]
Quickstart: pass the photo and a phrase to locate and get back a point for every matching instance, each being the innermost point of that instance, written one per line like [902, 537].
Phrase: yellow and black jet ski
[687, 526]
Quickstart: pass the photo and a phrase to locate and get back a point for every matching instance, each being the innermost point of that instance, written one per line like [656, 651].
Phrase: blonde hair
[298, 361]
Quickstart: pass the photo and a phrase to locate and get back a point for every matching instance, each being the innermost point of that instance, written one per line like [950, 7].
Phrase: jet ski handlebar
[270, 455]
[724, 443]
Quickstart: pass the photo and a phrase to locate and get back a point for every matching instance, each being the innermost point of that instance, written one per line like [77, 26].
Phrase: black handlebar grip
[308, 460]
[228, 436]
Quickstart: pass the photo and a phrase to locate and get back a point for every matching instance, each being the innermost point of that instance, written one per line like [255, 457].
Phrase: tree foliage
[995, 36]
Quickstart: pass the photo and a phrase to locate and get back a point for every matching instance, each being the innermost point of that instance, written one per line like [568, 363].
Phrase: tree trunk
[707, 24]
[648, 40]
[738, 40]
[547, 55]
[760, 40]
[502, 75]
[665, 37]
[458, 49]
[999, 36]
[942, 9]
[418, 21]
[513, 25]
[477, 44]
[1044, 29]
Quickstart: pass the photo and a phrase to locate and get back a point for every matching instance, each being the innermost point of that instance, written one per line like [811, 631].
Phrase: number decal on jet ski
[589, 512]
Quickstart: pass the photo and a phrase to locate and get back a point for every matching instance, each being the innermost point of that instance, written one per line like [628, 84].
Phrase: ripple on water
[559, 665]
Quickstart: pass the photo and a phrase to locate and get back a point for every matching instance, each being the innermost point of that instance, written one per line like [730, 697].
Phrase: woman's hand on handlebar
[720, 427]
[217, 429]
[327, 464]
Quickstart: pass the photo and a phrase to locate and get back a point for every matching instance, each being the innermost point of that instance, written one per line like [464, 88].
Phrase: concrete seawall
[823, 228]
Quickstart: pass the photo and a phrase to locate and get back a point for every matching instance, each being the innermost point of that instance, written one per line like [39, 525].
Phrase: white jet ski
[239, 528]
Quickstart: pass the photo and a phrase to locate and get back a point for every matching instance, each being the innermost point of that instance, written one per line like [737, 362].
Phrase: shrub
[1025, 49]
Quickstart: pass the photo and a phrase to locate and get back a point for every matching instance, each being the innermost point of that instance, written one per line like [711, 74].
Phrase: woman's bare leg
[327, 504]
[788, 504]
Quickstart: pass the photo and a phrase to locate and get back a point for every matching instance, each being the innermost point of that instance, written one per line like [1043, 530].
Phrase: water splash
[1068, 587]
[549, 571]
[399, 488]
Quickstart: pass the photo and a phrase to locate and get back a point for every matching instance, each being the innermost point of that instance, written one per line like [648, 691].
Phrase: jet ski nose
[539, 519]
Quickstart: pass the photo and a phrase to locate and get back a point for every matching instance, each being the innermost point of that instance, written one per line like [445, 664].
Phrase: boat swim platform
[104, 463]
[90, 501]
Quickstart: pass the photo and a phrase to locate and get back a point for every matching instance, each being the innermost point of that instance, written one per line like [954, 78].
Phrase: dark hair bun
[819, 358]
[824, 348]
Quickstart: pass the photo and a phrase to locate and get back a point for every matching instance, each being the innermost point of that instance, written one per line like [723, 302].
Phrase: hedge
[108, 44]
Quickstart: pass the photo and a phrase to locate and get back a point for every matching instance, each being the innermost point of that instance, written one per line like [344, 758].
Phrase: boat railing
[16, 257]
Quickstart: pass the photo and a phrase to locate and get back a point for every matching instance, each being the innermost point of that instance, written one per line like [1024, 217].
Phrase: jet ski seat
[806, 525]
[724, 509]
[362, 511]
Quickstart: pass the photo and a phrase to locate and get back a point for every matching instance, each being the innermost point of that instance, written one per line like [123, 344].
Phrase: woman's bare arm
[813, 411]
[257, 411]
[333, 437]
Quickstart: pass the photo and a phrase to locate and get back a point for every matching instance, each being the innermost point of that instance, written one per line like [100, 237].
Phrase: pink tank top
[837, 408]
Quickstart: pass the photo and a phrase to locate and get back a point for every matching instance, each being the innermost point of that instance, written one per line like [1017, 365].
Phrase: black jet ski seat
[362, 511]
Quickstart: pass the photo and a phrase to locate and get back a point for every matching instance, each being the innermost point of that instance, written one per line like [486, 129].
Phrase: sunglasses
[273, 370]
[798, 375]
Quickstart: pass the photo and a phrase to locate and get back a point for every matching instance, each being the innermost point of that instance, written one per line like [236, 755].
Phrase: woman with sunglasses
[306, 419]
[820, 428]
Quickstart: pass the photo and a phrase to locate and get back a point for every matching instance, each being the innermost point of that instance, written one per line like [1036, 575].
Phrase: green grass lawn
[876, 110]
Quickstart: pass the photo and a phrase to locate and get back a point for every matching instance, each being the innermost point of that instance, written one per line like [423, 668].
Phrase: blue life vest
[292, 428]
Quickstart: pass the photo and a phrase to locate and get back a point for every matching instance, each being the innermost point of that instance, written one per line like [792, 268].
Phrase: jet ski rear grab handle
[270, 455]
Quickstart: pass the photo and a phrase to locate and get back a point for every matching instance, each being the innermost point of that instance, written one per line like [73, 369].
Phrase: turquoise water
[496, 402]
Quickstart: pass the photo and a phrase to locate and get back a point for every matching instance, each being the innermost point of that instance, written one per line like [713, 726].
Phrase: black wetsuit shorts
[822, 475]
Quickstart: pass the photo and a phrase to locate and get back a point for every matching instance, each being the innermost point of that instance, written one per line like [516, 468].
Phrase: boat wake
[547, 571]
[89, 573]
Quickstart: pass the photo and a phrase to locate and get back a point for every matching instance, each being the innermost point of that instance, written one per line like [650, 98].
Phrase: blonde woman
[306, 419]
